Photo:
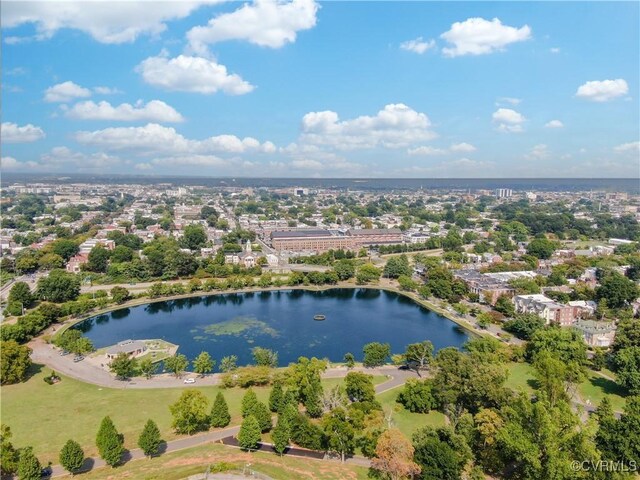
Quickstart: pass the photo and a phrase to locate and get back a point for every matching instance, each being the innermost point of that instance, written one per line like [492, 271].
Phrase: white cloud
[154, 111]
[631, 147]
[554, 124]
[63, 157]
[554, 50]
[106, 22]
[426, 151]
[65, 92]
[508, 120]
[10, 163]
[538, 152]
[508, 101]
[154, 139]
[395, 126]
[191, 74]
[418, 45]
[462, 147]
[13, 133]
[190, 161]
[477, 36]
[603, 91]
[106, 90]
[268, 23]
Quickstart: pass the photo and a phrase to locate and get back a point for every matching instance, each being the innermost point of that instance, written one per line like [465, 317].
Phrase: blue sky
[333, 89]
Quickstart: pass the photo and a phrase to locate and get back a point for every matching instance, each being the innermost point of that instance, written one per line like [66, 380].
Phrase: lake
[234, 323]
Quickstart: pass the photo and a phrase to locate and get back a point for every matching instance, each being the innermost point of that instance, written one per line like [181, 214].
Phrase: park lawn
[192, 461]
[46, 416]
[520, 377]
[403, 419]
[596, 386]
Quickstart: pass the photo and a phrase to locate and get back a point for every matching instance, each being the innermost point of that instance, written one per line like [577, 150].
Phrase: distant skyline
[322, 89]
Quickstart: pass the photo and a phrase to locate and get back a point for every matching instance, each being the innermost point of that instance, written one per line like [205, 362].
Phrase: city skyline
[306, 89]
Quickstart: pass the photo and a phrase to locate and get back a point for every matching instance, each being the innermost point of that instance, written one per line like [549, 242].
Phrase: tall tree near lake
[150, 440]
[110, 443]
[14, 362]
[122, 366]
[280, 435]
[228, 363]
[263, 416]
[71, 456]
[220, 416]
[394, 456]
[249, 402]
[20, 292]
[339, 433]
[203, 364]
[249, 434]
[177, 364]
[419, 354]
[264, 357]
[190, 412]
[376, 354]
[275, 397]
[59, 286]
[147, 367]
[359, 387]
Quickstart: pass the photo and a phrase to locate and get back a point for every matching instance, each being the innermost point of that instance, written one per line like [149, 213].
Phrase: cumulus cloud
[426, 151]
[508, 120]
[13, 133]
[191, 74]
[103, 21]
[602, 91]
[106, 90]
[10, 163]
[462, 147]
[418, 45]
[538, 152]
[477, 36]
[65, 92]
[395, 126]
[631, 147]
[554, 124]
[508, 101]
[64, 157]
[154, 139]
[268, 23]
[154, 111]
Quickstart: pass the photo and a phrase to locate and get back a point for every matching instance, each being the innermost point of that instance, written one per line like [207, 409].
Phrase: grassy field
[403, 419]
[179, 465]
[46, 416]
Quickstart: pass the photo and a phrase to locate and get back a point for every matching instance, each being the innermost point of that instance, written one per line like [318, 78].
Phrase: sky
[300, 88]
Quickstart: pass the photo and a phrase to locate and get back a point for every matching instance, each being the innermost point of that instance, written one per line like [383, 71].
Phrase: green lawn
[192, 461]
[46, 416]
[403, 419]
[520, 377]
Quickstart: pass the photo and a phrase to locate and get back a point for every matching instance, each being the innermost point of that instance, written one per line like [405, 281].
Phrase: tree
[228, 363]
[397, 266]
[618, 290]
[524, 325]
[562, 343]
[249, 434]
[264, 357]
[249, 402]
[440, 453]
[419, 354]
[194, 237]
[147, 367]
[220, 416]
[556, 378]
[619, 439]
[65, 248]
[20, 292]
[280, 435]
[627, 335]
[59, 286]
[98, 259]
[505, 306]
[416, 396]
[349, 360]
[14, 362]
[120, 295]
[9, 456]
[150, 440]
[29, 467]
[367, 273]
[263, 416]
[339, 433]
[345, 269]
[81, 346]
[541, 248]
[203, 364]
[177, 364]
[275, 397]
[190, 412]
[121, 254]
[627, 365]
[376, 354]
[109, 442]
[359, 387]
[71, 456]
[122, 366]
[394, 456]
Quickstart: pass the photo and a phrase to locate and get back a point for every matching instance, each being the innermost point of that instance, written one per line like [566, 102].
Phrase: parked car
[78, 358]
[64, 352]
[189, 380]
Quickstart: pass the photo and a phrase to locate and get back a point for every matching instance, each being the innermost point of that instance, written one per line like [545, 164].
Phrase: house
[248, 258]
[596, 334]
[75, 263]
[546, 308]
[132, 348]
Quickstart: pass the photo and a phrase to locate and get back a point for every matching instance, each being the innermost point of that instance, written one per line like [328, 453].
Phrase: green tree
[249, 434]
[122, 366]
[524, 325]
[71, 456]
[627, 366]
[617, 290]
[416, 396]
[349, 360]
[397, 266]
[228, 363]
[339, 433]
[562, 343]
[29, 467]
[20, 292]
[367, 273]
[98, 259]
[249, 402]
[203, 364]
[280, 435]
[376, 354]
[505, 306]
[150, 440]
[220, 416]
[120, 295]
[194, 237]
[190, 412]
[359, 387]
[65, 248]
[263, 416]
[419, 355]
[440, 453]
[345, 269]
[14, 362]
[275, 397]
[541, 248]
[121, 254]
[177, 364]
[110, 443]
[147, 367]
[59, 286]
[264, 357]
[9, 456]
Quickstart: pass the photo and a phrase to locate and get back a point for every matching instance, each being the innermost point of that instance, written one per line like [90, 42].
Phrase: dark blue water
[232, 324]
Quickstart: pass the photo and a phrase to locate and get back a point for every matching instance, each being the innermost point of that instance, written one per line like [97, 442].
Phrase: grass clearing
[403, 419]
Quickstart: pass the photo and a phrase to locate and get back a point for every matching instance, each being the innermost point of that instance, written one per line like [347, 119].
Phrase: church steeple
[248, 246]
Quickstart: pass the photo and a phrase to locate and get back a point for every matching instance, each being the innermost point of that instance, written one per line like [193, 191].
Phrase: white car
[189, 380]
